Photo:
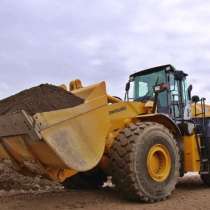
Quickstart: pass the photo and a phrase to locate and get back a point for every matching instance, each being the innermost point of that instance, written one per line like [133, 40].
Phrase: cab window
[144, 85]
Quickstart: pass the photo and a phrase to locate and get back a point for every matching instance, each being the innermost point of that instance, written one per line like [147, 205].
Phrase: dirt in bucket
[38, 99]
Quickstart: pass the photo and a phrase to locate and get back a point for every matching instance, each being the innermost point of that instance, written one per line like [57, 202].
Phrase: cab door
[179, 101]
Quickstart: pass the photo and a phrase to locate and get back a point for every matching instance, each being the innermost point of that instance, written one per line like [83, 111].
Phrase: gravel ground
[35, 193]
[13, 183]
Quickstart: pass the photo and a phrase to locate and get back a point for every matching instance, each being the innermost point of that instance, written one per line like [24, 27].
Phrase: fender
[164, 120]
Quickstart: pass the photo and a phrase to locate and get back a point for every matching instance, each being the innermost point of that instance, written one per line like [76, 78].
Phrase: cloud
[56, 41]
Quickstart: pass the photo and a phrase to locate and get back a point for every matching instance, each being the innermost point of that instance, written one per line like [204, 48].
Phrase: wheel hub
[159, 163]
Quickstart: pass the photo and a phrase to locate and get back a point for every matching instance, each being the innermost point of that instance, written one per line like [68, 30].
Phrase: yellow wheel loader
[145, 142]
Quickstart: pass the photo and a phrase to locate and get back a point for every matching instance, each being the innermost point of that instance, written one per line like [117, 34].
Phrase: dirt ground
[25, 193]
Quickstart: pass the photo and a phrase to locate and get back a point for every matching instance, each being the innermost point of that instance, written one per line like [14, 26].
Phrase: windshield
[144, 85]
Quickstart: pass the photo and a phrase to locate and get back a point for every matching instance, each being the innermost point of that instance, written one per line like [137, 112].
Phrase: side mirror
[161, 87]
[127, 87]
[195, 99]
[189, 90]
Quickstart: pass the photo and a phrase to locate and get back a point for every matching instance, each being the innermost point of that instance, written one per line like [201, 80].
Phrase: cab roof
[167, 68]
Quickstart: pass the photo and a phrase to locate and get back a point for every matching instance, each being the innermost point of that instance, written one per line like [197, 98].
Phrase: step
[204, 172]
[204, 160]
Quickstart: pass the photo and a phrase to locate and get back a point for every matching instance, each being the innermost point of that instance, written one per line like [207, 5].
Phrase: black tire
[206, 179]
[93, 179]
[128, 156]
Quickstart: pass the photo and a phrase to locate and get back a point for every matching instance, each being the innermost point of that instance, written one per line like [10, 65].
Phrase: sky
[55, 41]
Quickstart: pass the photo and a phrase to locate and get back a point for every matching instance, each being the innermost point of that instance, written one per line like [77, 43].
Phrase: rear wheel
[145, 162]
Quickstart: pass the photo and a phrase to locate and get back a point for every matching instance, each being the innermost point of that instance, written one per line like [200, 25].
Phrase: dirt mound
[13, 182]
[38, 99]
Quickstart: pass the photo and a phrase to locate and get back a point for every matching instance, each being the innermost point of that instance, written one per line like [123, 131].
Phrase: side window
[143, 89]
[131, 95]
[185, 91]
[174, 92]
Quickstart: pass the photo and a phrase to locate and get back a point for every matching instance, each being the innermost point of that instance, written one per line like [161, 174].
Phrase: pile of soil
[12, 182]
[43, 98]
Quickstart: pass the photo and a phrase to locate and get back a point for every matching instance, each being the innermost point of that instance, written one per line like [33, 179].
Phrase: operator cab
[165, 86]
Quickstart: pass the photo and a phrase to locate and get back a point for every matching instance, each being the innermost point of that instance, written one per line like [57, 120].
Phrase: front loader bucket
[68, 140]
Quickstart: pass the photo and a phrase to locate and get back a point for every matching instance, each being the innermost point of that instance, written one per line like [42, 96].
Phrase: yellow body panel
[191, 154]
[198, 110]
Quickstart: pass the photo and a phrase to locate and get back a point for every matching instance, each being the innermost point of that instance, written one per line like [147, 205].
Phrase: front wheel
[145, 162]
